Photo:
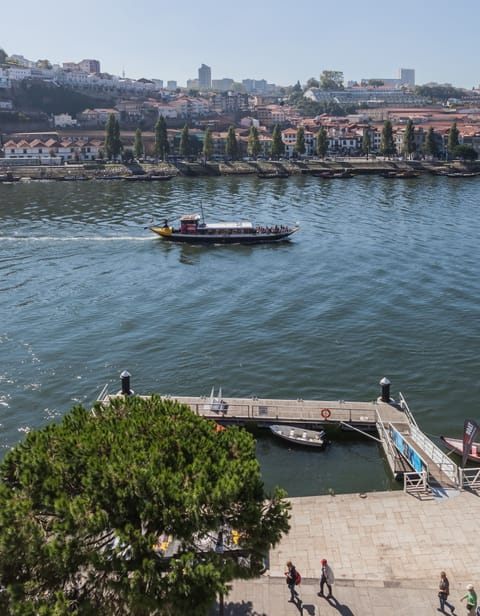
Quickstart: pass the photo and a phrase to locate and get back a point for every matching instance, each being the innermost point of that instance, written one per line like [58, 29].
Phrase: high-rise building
[407, 76]
[205, 77]
[89, 66]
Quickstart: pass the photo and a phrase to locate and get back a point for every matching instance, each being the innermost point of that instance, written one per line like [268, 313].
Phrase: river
[381, 280]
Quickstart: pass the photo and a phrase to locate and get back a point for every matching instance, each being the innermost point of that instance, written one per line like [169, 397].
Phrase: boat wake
[114, 238]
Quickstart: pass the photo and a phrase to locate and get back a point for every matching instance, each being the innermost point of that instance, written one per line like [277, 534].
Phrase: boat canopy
[190, 218]
[229, 225]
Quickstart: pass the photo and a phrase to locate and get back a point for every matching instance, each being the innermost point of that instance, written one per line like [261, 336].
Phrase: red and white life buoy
[325, 413]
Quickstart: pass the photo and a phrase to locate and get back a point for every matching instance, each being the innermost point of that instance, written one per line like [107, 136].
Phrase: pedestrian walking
[327, 578]
[291, 575]
[471, 597]
[443, 592]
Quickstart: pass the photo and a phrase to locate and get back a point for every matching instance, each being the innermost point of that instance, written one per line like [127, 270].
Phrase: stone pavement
[386, 550]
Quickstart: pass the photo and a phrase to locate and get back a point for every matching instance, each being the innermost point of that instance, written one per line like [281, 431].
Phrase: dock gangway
[414, 456]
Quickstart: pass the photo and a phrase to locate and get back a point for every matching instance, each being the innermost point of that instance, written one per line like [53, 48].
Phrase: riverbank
[386, 550]
[267, 169]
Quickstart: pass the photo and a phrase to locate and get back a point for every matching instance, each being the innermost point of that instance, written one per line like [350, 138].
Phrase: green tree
[313, 83]
[185, 146]
[331, 80]
[366, 141]
[113, 145]
[387, 144]
[300, 141]
[453, 137]
[106, 512]
[208, 145]
[231, 144]
[321, 142]
[138, 147]
[44, 64]
[3, 56]
[296, 94]
[465, 152]
[253, 148]
[408, 145]
[161, 146]
[278, 147]
[430, 147]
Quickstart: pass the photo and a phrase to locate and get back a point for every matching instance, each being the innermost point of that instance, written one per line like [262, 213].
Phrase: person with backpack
[327, 578]
[292, 578]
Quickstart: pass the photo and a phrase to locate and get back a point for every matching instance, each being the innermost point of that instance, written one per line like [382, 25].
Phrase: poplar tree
[113, 144]
[453, 137]
[278, 147]
[107, 512]
[430, 147]
[253, 147]
[387, 145]
[208, 145]
[408, 145]
[138, 148]
[231, 145]
[185, 142]
[366, 143]
[300, 141]
[322, 142]
[161, 146]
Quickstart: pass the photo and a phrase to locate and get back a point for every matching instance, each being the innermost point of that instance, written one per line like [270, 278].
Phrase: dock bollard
[125, 378]
[385, 383]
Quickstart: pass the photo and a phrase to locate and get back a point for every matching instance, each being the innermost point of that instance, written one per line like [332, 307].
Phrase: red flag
[470, 430]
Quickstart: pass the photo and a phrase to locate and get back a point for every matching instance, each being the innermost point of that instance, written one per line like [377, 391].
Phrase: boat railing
[469, 478]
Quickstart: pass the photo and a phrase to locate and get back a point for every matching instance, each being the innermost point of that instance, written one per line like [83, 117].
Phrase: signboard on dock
[407, 451]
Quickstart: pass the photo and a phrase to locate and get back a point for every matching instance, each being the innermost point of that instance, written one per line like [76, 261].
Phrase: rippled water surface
[381, 280]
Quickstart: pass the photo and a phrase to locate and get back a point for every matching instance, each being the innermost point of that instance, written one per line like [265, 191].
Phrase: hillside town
[351, 117]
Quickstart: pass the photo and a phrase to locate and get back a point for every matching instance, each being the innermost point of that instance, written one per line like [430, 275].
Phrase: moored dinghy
[456, 445]
[300, 436]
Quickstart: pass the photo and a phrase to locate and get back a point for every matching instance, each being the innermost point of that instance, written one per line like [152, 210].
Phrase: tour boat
[193, 230]
[456, 444]
[300, 436]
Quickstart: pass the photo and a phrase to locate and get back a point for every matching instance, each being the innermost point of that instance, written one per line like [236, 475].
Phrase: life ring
[325, 413]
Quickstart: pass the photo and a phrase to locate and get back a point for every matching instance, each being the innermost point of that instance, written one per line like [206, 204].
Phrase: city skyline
[365, 40]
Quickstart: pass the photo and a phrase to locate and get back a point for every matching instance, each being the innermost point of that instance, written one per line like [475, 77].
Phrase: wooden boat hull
[300, 436]
[148, 178]
[200, 238]
[456, 444]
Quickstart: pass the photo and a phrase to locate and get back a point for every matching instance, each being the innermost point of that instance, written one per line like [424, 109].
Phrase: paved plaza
[386, 550]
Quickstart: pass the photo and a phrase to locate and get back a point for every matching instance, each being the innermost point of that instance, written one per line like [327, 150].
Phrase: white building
[63, 120]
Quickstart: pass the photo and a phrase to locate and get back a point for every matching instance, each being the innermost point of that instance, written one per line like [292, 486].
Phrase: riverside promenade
[386, 550]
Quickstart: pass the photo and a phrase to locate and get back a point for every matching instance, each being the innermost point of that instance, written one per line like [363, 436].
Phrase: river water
[381, 280]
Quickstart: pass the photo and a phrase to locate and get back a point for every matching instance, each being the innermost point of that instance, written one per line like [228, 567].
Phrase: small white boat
[300, 436]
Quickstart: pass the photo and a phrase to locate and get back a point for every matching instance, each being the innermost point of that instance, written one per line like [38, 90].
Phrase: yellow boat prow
[163, 231]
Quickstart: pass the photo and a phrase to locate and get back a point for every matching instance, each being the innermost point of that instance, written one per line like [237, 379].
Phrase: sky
[280, 41]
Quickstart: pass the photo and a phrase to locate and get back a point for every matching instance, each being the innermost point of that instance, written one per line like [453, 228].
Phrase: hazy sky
[282, 42]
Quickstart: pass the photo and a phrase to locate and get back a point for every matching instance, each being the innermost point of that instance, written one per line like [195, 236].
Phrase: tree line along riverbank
[327, 168]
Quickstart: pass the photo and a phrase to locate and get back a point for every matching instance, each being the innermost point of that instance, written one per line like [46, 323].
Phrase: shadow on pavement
[344, 610]
[245, 608]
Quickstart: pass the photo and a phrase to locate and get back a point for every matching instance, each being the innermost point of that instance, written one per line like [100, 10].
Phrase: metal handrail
[406, 410]
[415, 482]
[469, 478]
[440, 459]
